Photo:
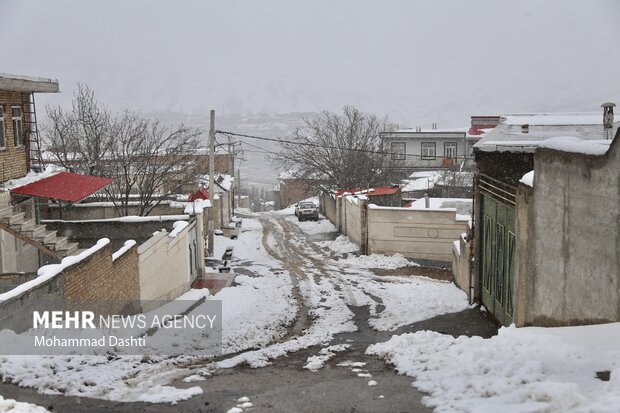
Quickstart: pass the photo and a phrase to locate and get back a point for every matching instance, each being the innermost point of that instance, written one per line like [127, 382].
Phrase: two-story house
[19, 145]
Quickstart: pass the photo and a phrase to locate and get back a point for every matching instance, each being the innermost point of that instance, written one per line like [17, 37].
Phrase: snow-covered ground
[13, 406]
[519, 370]
[258, 311]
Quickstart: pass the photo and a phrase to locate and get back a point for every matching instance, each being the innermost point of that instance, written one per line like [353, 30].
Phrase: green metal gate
[497, 247]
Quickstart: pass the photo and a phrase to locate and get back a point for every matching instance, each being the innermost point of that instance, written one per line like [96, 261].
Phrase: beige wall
[460, 265]
[164, 266]
[328, 206]
[568, 240]
[352, 226]
[422, 234]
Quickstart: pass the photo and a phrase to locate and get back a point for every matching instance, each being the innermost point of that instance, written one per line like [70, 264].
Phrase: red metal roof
[63, 186]
[199, 194]
[383, 191]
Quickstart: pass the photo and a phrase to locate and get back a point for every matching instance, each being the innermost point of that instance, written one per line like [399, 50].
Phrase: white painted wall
[423, 234]
[164, 265]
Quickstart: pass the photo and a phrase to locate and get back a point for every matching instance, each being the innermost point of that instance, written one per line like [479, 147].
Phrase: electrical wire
[318, 145]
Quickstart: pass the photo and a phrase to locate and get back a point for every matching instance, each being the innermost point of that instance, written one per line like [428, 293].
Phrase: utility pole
[238, 178]
[231, 170]
[210, 224]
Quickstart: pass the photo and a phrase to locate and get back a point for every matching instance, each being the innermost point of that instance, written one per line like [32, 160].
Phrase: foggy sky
[417, 61]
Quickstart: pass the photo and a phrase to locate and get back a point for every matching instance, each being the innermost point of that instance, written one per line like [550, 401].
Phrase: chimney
[608, 118]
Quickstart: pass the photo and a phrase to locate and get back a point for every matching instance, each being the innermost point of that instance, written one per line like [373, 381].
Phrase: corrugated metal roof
[64, 186]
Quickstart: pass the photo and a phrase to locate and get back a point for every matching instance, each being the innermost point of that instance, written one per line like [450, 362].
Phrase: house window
[18, 130]
[449, 150]
[428, 150]
[397, 150]
[2, 133]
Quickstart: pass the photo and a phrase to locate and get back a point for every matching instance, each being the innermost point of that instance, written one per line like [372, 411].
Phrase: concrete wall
[86, 234]
[101, 210]
[567, 268]
[328, 206]
[352, 219]
[164, 265]
[421, 234]
[460, 265]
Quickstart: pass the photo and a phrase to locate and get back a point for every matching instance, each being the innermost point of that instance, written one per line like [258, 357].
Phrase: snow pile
[519, 370]
[415, 299]
[126, 247]
[528, 179]
[341, 245]
[177, 228]
[13, 406]
[378, 261]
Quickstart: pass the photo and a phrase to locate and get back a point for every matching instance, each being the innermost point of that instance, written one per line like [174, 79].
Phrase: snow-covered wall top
[47, 272]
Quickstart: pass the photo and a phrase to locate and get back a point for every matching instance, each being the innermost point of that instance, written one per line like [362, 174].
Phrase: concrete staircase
[35, 234]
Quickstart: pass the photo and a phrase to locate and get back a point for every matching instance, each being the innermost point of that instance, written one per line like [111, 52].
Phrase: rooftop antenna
[608, 118]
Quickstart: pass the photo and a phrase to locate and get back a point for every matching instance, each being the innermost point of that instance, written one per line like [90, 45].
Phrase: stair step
[16, 218]
[37, 231]
[57, 243]
[48, 236]
[6, 212]
[28, 224]
[69, 248]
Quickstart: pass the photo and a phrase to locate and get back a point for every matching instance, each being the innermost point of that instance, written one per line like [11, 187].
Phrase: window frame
[445, 150]
[2, 129]
[15, 120]
[397, 155]
[428, 157]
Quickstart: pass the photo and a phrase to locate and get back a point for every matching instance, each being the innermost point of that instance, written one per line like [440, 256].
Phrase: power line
[318, 145]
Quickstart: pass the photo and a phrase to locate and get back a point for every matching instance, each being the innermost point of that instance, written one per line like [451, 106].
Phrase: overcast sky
[418, 61]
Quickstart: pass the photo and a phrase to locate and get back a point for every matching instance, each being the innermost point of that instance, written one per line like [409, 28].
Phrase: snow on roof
[511, 135]
[31, 177]
[426, 130]
[576, 145]
[528, 179]
[224, 181]
[22, 83]
[197, 206]
[571, 144]
[554, 119]
[422, 181]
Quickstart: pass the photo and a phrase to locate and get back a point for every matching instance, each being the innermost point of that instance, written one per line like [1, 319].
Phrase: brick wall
[111, 283]
[13, 161]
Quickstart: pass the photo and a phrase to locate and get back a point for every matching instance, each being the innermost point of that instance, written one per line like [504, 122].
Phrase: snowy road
[297, 325]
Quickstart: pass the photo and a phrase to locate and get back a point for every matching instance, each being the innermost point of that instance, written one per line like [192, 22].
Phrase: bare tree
[146, 160]
[80, 139]
[341, 151]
